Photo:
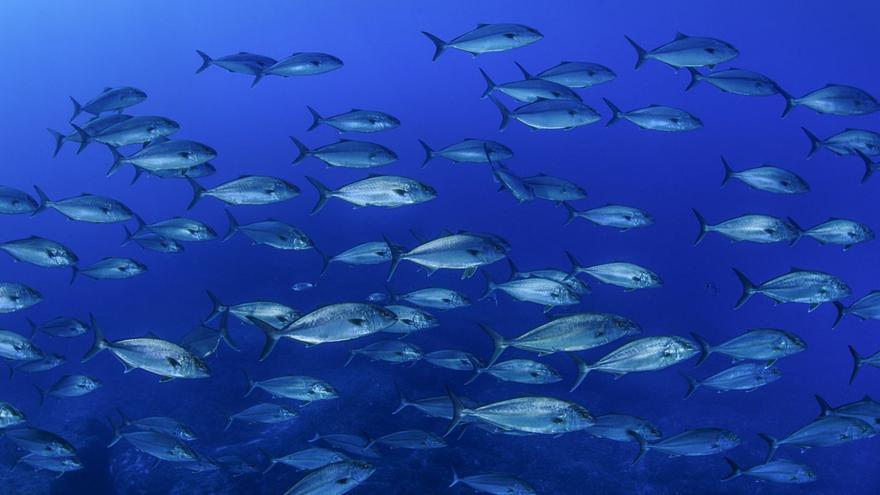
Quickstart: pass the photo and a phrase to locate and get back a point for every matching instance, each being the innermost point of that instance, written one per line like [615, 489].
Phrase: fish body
[110, 100]
[617, 216]
[578, 74]
[247, 190]
[548, 114]
[435, 407]
[762, 229]
[521, 371]
[840, 231]
[494, 484]
[112, 269]
[275, 314]
[747, 376]
[309, 459]
[356, 120]
[796, 286]
[847, 142]
[159, 424]
[644, 354]
[390, 351]
[298, 387]
[657, 118]
[760, 344]
[463, 251]
[87, 208]
[40, 442]
[161, 446]
[621, 274]
[530, 89]
[347, 153]
[777, 471]
[136, 130]
[867, 409]
[736, 81]
[617, 427]
[826, 431]
[436, 298]
[91, 128]
[16, 297]
[697, 442]
[368, 253]
[544, 291]
[48, 362]
[387, 191]
[15, 202]
[59, 465]
[180, 229]
[333, 479]
[488, 38]
[513, 183]
[272, 233]
[265, 413]
[411, 439]
[16, 347]
[469, 150]
[451, 359]
[687, 51]
[767, 178]
[11, 416]
[530, 414]
[835, 99]
[73, 386]
[304, 64]
[241, 62]
[40, 252]
[353, 444]
[554, 188]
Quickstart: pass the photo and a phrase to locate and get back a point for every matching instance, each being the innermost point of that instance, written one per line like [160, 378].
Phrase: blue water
[54, 49]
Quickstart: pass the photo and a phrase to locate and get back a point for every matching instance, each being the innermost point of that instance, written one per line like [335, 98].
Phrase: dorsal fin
[824, 407]
[373, 174]
[106, 88]
[357, 110]
[680, 36]
[480, 25]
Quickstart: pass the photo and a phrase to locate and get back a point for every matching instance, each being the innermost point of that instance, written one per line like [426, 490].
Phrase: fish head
[835, 289]
[26, 351]
[524, 35]
[71, 463]
[184, 433]
[287, 413]
[9, 415]
[564, 295]
[574, 418]
[381, 156]
[625, 326]
[722, 50]
[425, 192]
[320, 390]
[411, 353]
[646, 279]
[361, 470]
[163, 127]
[183, 452]
[789, 344]
[648, 431]
[728, 440]
[200, 368]
[134, 95]
[679, 349]
[858, 429]
[860, 233]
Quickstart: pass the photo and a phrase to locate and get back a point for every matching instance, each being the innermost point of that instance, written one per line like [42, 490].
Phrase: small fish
[133, 130]
[494, 484]
[542, 415]
[110, 100]
[519, 371]
[16, 297]
[834, 99]
[164, 155]
[513, 183]
[736, 81]
[86, 208]
[617, 427]
[111, 269]
[560, 276]
[246, 190]
[157, 424]
[265, 413]
[347, 153]
[308, 459]
[387, 191]
[617, 216]
[368, 253]
[867, 409]
[840, 231]
[333, 479]
[71, 386]
[470, 150]
[826, 431]
[390, 351]
[15, 347]
[529, 89]
[195, 172]
[48, 362]
[410, 319]
[846, 142]
[778, 471]
[687, 51]
[548, 114]
[796, 286]
[697, 442]
[543, 291]
[302, 286]
[91, 128]
[463, 251]
[10, 415]
[356, 120]
[178, 228]
[644, 354]
[40, 442]
[241, 62]
[452, 359]
[304, 64]
[435, 407]
[161, 446]
[554, 188]
[411, 439]
[304, 388]
[487, 38]
[377, 297]
[353, 444]
[41, 252]
[59, 465]
[15, 202]
[204, 341]
[275, 314]
[434, 297]
[748, 377]
[575, 74]
[760, 344]
[152, 242]
[866, 308]
[762, 229]
[272, 233]
[626, 275]
[859, 361]
[767, 178]
[656, 118]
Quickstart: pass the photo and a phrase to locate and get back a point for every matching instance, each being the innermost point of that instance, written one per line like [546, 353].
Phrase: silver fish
[49, 362]
[434, 297]
[203, 341]
[846, 142]
[470, 150]
[273, 233]
[736, 81]
[302, 286]
[178, 228]
[687, 51]
[840, 231]
[91, 128]
[617, 216]
[410, 439]
[347, 153]
[451, 359]
[463, 251]
[111, 269]
[16, 297]
[390, 351]
[377, 297]
[157, 424]
[110, 99]
[487, 38]
[867, 409]
[333, 479]
[304, 388]
[304, 64]
[86, 208]
[656, 118]
[796, 286]
[59, 465]
[866, 308]
[760, 344]
[519, 371]
[762, 229]
[778, 471]
[40, 442]
[617, 427]
[621, 274]
[11, 416]
[241, 62]
[575, 74]
[494, 484]
[859, 361]
[152, 242]
[165, 155]
[435, 407]
[134, 130]
[354, 444]
[368, 253]
[410, 320]
[697, 442]
[71, 386]
[544, 291]
[15, 347]
[161, 446]
[275, 314]
[560, 276]
[265, 413]
[387, 191]
[834, 99]
[40, 252]
[530, 414]
[308, 459]
[644, 354]
[548, 114]
[826, 431]
[15, 202]
[529, 89]
[513, 183]
[767, 178]
[246, 190]
[554, 188]
[356, 120]
[61, 327]
[747, 376]
[195, 172]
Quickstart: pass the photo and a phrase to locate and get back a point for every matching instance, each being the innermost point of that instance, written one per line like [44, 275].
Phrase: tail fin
[639, 51]
[695, 78]
[728, 172]
[490, 85]
[316, 118]
[582, 370]
[869, 166]
[576, 266]
[257, 78]
[315, 438]
[429, 153]
[773, 445]
[693, 383]
[34, 328]
[525, 73]
[514, 271]
[224, 332]
[301, 149]
[59, 141]
[857, 363]
[790, 102]
[824, 407]
[74, 271]
[705, 348]
[125, 419]
[206, 61]
[252, 385]
[572, 212]
[217, 307]
[325, 260]
[490, 286]
[455, 478]
[815, 142]
[478, 369]
[841, 311]
[272, 461]
[198, 192]
[42, 394]
[84, 138]
[117, 161]
[117, 432]
[643, 445]
[748, 289]
[233, 226]
[616, 113]
[351, 354]
[799, 230]
[272, 335]
[99, 343]
[128, 236]
[141, 225]
[735, 471]
[323, 194]
[77, 109]
[395, 257]
[403, 402]
[44, 200]
[439, 45]
[704, 227]
[229, 420]
[457, 411]
[498, 342]
[505, 113]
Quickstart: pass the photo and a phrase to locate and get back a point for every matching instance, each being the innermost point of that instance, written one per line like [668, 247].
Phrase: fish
[272, 233]
[195, 172]
[377, 297]
[617, 216]
[16, 347]
[177, 228]
[110, 100]
[16, 202]
[152, 242]
[575, 74]
[470, 150]
[767, 178]
[762, 229]
[462, 251]
[111, 269]
[332, 323]
[548, 114]
[576, 332]
[16, 297]
[840, 231]
[161, 446]
[529, 89]
[518, 371]
[644, 354]
[356, 120]
[204, 341]
[41, 252]
[629, 276]
[656, 118]
[347, 153]
[617, 427]
[387, 191]
[303, 388]
[135, 130]
[410, 439]
[241, 62]
[265, 413]
[834, 99]
[91, 128]
[86, 208]
[10, 415]
[560, 276]
[236, 465]
[304, 64]
[49, 361]
[513, 183]
[867, 409]
[696, 442]
[71, 386]
[353, 444]
[544, 291]
[275, 314]
[40, 442]
[487, 38]
[302, 286]
[846, 142]
[410, 320]
[687, 51]
[747, 376]
[866, 308]
[529, 414]
[451, 359]
[554, 188]
[367, 253]
[307, 459]
[494, 484]
[859, 361]
[796, 286]
[759, 344]
[333, 479]
[59, 465]
[826, 431]
[778, 471]
[246, 190]
[434, 297]
[736, 81]
[435, 407]
[150, 354]
[156, 424]
[390, 351]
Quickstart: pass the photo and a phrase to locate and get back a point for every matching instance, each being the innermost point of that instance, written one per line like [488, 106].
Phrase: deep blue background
[50, 50]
